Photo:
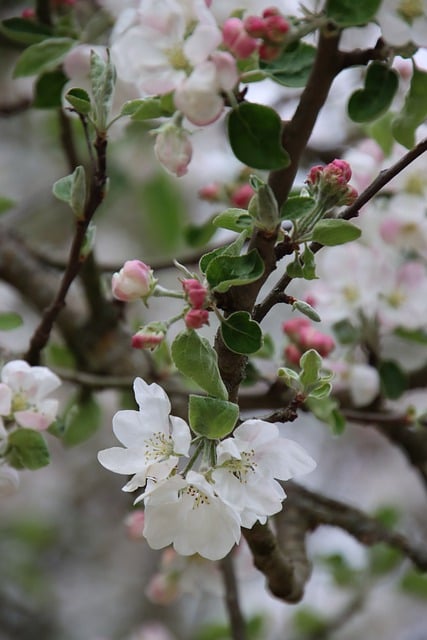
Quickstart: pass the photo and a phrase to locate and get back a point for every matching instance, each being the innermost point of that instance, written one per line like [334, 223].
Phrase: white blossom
[247, 465]
[403, 22]
[153, 440]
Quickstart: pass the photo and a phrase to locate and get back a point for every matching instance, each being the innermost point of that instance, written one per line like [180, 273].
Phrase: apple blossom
[196, 318]
[153, 440]
[403, 22]
[135, 280]
[23, 392]
[173, 149]
[195, 292]
[248, 464]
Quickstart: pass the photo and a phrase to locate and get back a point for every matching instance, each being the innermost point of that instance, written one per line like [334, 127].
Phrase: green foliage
[371, 102]
[380, 130]
[347, 13]
[145, 109]
[297, 207]
[232, 249]
[241, 334]
[414, 583]
[414, 335]
[10, 320]
[198, 235]
[306, 309]
[164, 214]
[42, 56]
[24, 31]
[414, 110]
[342, 573]
[212, 418]
[48, 90]
[195, 358]
[103, 81]
[333, 231]
[383, 559]
[27, 449]
[72, 190]
[326, 410]
[254, 630]
[394, 381]
[346, 332]
[79, 99]
[292, 67]
[6, 204]
[82, 420]
[311, 381]
[224, 272]
[308, 622]
[234, 219]
[254, 131]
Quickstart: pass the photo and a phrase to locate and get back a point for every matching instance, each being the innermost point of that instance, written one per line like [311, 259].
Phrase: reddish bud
[276, 27]
[242, 196]
[196, 318]
[28, 14]
[254, 26]
[293, 326]
[292, 354]
[210, 192]
[269, 51]
[311, 338]
[196, 293]
[270, 11]
[237, 39]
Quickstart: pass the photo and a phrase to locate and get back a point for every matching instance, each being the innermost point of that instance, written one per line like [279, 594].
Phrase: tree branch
[237, 622]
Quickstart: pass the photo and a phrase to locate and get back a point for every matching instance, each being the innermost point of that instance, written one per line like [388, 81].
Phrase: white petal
[129, 429]
[5, 399]
[295, 461]
[125, 461]
[181, 435]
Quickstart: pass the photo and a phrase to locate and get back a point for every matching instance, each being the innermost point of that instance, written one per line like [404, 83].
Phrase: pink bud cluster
[331, 181]
[263, 34]
[303, 336]
[134, 281]
[196, 294]
[239, 195]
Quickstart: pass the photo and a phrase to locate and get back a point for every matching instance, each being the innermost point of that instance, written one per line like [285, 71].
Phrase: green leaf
[27, 449]
[320, 391]
[234, 219]
[346, 332]
[212, 418]
[48, 90]
[383, 559]
[342, 572]
[414, 583]
[333, 231]
[6, 204]
[254, 131]
[224, 272]
[296, 207]
[309, 264]
[58, 355]
[292, 67]
[308, 622]
[394, 380]
[306, 309]
[369, 103]
[10, 320]
[381, 131]
[62, 188]
[310, 364]
[241, 334]
[414, 110]
[42, 56]
[72, 190]
[81, 421]
[414, 335]
[79, 99]
[24, 31]
[103, 81]
[347, 13]
[290, 378]
[232, 249]
[198, 235]
[143, 109]
[294, 268]
[197, 359]
[326, 409]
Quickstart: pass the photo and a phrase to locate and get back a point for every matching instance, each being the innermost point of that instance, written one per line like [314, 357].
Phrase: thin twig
[237, 621]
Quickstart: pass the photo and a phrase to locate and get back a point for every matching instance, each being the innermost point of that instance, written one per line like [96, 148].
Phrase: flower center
[199, 498]
[396, 299]
[19, 402]
[410, 9]
[177, 58]
[158, 447]
[350, 293]
[415, 185]
[241, 468]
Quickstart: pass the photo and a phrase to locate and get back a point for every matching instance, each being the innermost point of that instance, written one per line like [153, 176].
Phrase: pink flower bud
[292, 354]
[342, 167]
[276, 27]
[314, 174]
[254, 26]
[134, 524]
[269, 51]
[196, 318]
[293, 326]
[350, 196]
[173, 149]
[28, 13]
[210, 192]
[146, 338]
[242, 196]
[162, 589]
[311, 338]
[196, 293]
[270, 11]
[237, 39]
[134, 280]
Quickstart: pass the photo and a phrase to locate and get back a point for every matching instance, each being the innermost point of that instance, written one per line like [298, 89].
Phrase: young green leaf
[232, 249]
[334, 231]
[241, 334]
[79, 99]
[48, 90]
[414, 110]
[10, 320]
[212, 418]
[224, 272]
[143, 109]
[103, 80]
[371, 102]
[394, 380]
[292, 67]
[254, 131]
[197, 359]
[234, 220]
[310, 364]
[25, 31]
[42, 56]
[348, 13]
[306, 309]
[27, 449]
[296, 207]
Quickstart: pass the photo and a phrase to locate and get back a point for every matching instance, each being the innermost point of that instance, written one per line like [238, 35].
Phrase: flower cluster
[329, 184]
[196, 295]
[200, 511]
[303, 336]
[23, 405]
[262, 34]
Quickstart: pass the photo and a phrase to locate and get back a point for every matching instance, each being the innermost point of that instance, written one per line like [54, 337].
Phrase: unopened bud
[196, 293]
[134, 280]
[149, 337]
[236, 38]
[173, 149]
[254, 26]
[242, 195]
[196, 318]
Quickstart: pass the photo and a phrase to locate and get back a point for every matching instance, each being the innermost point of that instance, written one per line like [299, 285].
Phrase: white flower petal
[125, 461]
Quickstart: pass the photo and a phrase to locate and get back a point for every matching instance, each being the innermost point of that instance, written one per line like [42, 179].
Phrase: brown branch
[75, 262]
[237, 621]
